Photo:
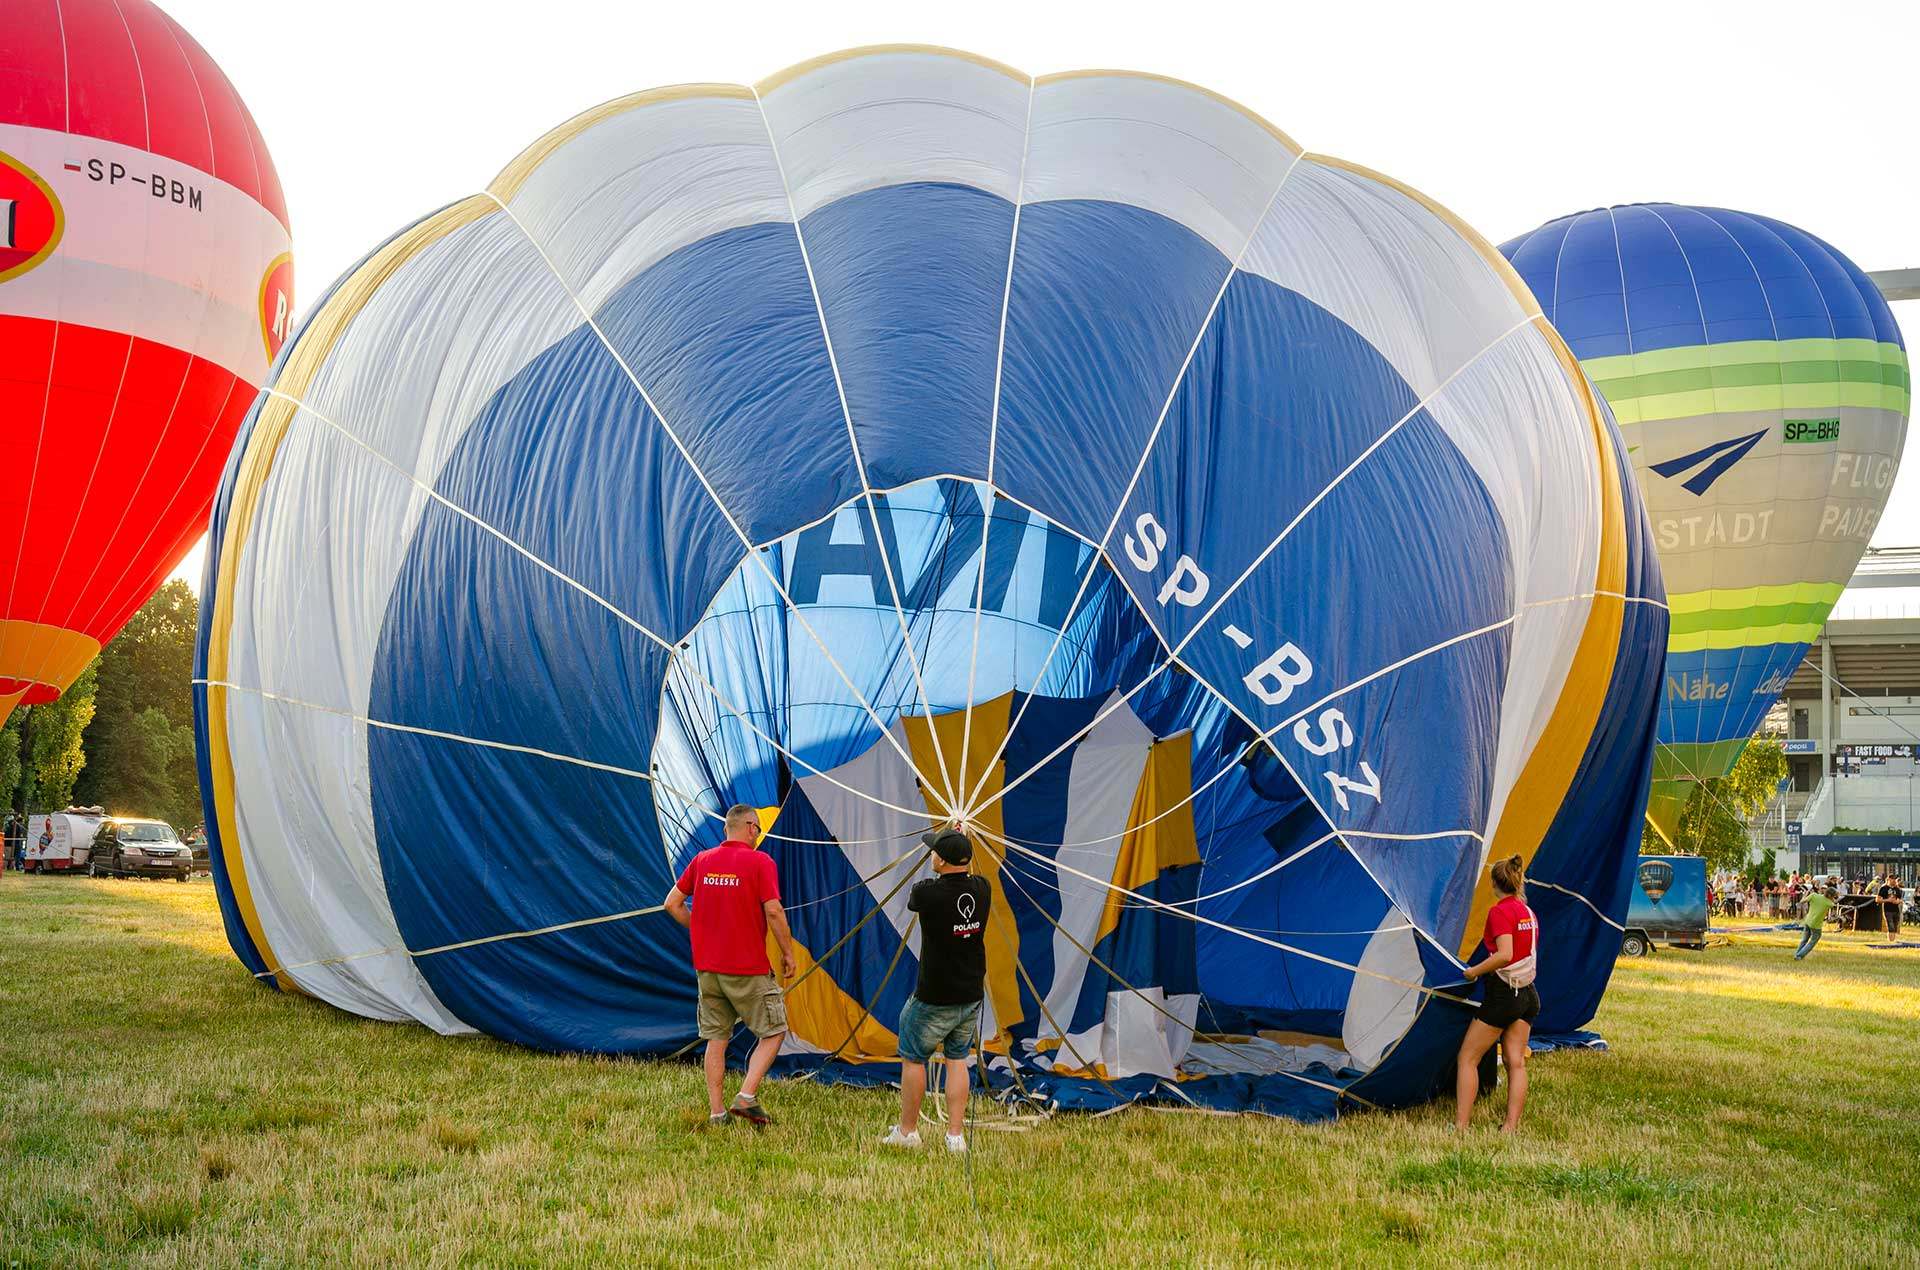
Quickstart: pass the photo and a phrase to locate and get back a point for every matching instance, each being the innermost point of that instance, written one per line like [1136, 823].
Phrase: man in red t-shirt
[735, 892]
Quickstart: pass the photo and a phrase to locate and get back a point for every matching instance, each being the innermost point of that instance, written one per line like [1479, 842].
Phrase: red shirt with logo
[1511, 916]
[728, 885]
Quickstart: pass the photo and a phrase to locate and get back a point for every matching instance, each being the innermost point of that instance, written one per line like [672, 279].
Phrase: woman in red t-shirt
[1511, 1003]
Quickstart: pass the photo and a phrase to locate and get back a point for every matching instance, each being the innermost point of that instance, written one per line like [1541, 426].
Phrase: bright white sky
[378, 111]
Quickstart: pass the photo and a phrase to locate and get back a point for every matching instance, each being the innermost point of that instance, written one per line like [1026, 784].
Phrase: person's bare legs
[1514, 1048]
[765, 1050]
[716, 1075]
[913, 1089]
[959, 1082]
[1466, 1081]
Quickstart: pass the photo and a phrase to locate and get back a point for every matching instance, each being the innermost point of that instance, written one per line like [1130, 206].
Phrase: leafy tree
[137, 751]
[10, 759]
[1714, 821]
[140, 747]
[57, 753]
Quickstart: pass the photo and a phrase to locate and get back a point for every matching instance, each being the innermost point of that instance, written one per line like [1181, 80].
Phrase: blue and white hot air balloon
[1216, 529]
[1762, 386]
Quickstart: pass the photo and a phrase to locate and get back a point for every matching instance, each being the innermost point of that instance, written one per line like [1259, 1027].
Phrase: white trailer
[62, 841]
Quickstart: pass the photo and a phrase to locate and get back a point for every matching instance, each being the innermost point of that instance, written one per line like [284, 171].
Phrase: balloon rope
[993, 433]
[1151, 902]
[620, 614]
[859, 462]
[465, 943]
[1119, 979]
[596, 921]
[1201, 623]
[866, 1009]
[1140, 467]
[706, 484]
[552, 755]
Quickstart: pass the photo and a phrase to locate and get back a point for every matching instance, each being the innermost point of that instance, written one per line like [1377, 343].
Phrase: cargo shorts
[755, 1000]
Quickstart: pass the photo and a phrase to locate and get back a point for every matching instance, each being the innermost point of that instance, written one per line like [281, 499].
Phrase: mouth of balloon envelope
[1165, 901]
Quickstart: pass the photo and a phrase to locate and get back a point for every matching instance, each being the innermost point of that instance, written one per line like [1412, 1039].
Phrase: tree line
[122, 736]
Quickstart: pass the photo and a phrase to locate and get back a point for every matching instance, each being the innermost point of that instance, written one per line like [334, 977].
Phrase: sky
[1509, 114]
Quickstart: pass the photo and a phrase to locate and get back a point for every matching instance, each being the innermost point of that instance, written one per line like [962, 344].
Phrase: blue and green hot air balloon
[1761, 384]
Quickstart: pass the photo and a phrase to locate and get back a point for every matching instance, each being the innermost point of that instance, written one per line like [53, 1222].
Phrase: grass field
[160, 1108]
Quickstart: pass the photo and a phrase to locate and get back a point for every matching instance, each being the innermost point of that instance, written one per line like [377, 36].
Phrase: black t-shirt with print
[953, 947]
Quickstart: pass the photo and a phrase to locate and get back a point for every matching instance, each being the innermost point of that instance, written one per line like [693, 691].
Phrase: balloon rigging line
[1101, 549]
[699, 474]
[466, 943]
[1033, 874]
[672, 650]
[1203, 920]
[1626, 311]
[1278, 755]
[1112, 706]
[1700, 836]
[866, 1009]
[1566, 890]
[1040, 1000]
[1112, 974]
[859, 462]
[575, 760]
[1146, 453]
[1175, 650]
[993, 431]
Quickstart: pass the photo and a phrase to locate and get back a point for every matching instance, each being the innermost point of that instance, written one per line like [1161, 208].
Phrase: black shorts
[1503, 1007]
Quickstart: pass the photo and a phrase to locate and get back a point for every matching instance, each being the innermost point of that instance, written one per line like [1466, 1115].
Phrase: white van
[62, 841]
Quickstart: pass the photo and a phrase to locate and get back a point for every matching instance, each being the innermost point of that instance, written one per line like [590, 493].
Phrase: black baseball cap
[949, 844]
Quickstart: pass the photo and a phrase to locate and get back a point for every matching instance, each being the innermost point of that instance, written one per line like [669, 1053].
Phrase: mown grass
[158, 1108]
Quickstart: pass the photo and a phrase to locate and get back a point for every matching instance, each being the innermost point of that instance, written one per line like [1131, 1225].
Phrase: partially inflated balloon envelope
[1216, 530]
[1761, 383]
[144, 287]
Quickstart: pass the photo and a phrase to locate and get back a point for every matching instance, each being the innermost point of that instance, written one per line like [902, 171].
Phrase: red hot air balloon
[145, 286]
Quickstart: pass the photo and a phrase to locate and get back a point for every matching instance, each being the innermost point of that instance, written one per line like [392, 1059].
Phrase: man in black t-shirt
[1891, 897]
[943, 1014]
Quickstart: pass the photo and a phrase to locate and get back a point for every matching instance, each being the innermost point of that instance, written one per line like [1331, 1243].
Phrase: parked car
[127, 846]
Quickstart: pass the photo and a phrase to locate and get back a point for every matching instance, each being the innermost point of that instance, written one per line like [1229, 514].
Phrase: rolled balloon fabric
[144, 287]
[1216, 531]
[1762, 386]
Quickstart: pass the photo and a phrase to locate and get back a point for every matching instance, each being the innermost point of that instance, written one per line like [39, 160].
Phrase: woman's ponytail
[1510, 874]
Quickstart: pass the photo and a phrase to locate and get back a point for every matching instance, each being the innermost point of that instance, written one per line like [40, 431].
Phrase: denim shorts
[927, 1029]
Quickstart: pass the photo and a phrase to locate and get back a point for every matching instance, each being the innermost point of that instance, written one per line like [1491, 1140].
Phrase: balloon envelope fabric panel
[1215, 530]
[1761, 383]
[145, 285]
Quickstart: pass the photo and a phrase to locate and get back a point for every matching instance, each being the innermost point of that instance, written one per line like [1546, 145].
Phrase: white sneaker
[895, 1138]
[957, 1143]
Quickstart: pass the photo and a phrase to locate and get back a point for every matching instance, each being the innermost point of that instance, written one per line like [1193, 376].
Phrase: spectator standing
[1892, 898]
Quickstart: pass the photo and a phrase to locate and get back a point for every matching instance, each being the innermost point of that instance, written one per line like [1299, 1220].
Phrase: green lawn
[161, 1108]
